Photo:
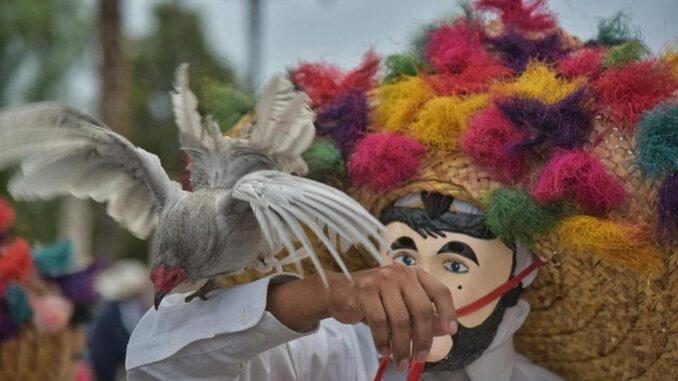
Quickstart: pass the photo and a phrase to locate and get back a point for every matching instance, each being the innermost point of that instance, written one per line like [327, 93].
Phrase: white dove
[246, 204]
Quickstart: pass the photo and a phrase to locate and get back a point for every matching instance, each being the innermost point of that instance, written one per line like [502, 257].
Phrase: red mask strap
[417, 368]
[501, 290]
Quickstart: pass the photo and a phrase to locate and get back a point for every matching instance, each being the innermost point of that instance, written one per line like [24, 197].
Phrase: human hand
[404, 307]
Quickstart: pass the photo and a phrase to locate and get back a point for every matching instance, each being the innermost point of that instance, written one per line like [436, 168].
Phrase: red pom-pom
[584, 62]
[489, 143]
[527, 15]
[16, 262]
[579, 175]
[456, 52]
[382, 161]
[6, 215]
[323, 82]
[629, 90]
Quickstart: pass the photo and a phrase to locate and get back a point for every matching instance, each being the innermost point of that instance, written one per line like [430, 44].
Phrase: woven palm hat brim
[590, 319]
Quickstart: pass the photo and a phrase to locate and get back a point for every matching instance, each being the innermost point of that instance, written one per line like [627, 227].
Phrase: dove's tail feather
[285, 204]
[284, 125]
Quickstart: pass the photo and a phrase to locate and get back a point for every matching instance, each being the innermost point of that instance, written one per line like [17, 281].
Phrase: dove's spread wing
[283, 204]
[63, 151]
[284, 126]
[200, 138]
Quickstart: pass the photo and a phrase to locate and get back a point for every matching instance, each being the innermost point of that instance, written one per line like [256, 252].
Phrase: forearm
[301, 304]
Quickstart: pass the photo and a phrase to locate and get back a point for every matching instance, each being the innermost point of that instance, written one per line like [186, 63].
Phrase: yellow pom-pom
[538, 81]
[621, 243]
[670, 57]
[397, 103]
[442, 121]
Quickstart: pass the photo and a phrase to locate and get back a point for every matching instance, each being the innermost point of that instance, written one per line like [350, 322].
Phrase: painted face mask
[449, 239]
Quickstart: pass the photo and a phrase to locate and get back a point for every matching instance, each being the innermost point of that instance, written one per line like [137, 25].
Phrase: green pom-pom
[324, 161]
[56, 259]
[616, 30]
[398, 65]
[17, 304]
[627, 52]
[226, 104]
[513, 216]
[657, 140]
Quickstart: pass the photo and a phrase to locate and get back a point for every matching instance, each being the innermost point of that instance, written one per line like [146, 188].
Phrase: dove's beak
[158, 298]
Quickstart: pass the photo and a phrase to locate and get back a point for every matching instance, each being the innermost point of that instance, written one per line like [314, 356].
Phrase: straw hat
[568, 146]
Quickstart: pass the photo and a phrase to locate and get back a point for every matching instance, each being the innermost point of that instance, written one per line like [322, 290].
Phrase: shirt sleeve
[207, 340]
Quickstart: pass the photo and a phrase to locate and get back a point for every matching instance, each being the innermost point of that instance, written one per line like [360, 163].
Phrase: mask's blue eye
[455, 267]
[405, 259]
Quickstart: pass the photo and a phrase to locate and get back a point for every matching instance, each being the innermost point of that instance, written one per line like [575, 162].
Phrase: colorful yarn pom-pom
[581, 176]
[56, 259]
[16, 262]
[625, 244]
[324, 161]
[344, 120]
[629, 90]
[513, 215]
[18, 306]
[585, 62]
[667, 208]
[564, 124]
[530, 16]
[488, 142]
[517, 50]
[382, 161]
[657, 140]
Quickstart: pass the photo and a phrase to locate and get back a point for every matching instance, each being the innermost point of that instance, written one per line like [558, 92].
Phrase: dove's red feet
[203, 291]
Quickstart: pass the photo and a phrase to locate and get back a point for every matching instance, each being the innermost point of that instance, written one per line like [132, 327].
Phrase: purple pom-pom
[8, 329]
[564, 124]
[344, 120]
[517, 50]
[667, 207]
[79, 286]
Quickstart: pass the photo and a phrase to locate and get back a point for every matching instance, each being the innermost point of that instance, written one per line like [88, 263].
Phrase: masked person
[566, 147]
[237, 336]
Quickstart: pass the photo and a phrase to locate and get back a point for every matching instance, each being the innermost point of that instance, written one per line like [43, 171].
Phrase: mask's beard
[470, 343]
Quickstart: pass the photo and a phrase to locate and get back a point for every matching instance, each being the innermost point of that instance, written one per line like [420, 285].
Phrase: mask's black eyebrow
[404, 242]
[460, 248]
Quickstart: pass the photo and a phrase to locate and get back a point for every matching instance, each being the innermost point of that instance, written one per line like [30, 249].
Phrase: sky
[340, 31]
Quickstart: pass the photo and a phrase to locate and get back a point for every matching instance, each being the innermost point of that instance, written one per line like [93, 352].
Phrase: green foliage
[398, 65]
[177, 38]
[39, 41]
[616, 30]
[514, 216]
[630, 51]
[324, 161]
[225, 103]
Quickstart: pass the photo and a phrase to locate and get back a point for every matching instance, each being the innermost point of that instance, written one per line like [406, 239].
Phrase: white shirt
[232, 337]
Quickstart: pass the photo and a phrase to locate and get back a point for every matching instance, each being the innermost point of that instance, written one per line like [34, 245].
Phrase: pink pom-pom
[51, 313]
[382, 161]
[489, 143]
[581, 176]
[585, 62]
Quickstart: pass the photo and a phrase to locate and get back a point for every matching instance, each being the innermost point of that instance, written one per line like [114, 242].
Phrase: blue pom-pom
[56, 259]
[17, 304]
